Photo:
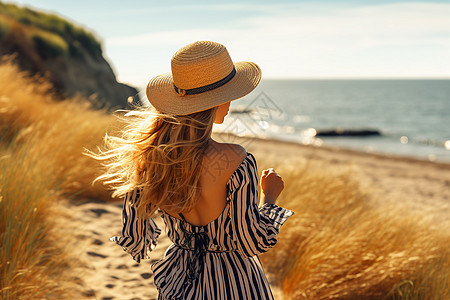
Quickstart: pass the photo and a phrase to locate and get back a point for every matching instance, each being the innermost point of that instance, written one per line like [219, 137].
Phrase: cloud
[324, 40]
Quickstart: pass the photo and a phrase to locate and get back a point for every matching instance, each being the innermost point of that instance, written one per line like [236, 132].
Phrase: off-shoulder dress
[215, 261]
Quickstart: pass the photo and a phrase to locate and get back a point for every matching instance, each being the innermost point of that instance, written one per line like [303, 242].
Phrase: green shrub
[4, 27]
[75, 49]
[57, 26]
[89, 43]
[49, 45]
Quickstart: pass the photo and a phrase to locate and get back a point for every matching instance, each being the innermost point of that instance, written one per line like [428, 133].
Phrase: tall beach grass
[341, 244]
[33, 263]
[58, 130]
[41, 160]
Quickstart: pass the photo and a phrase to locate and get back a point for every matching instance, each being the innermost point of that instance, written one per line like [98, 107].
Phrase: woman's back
[218, 260]
[219, 163]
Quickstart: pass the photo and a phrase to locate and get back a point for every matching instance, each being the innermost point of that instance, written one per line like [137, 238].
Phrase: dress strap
[181, 215]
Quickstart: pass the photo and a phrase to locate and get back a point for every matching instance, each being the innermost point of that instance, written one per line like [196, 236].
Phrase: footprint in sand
[99, 211]
[121, 267]
[82, 236]
[146, 275]
[88, 293]
[97, 242]
[96, 254]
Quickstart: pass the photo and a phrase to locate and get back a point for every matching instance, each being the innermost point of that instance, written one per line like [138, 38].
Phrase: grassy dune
[32, 263]
[58, 130]
[41, 160]
[336, 246]
[339, 246]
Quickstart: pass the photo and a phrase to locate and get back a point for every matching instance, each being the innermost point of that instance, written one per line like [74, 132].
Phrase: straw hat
[203, 76]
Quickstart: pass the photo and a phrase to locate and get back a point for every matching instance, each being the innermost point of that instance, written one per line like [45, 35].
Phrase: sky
[287, 39]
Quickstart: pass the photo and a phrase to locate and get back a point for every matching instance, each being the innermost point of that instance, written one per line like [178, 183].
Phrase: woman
[206, 191]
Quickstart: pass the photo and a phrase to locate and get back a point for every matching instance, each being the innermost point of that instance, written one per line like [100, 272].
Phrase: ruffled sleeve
[255, 229]
[139, 236]
[274, 215]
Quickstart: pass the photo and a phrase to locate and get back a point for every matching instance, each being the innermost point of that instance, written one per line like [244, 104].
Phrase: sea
[407, 118]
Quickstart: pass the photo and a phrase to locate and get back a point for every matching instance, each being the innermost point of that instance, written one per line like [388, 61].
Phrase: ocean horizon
[400, 117]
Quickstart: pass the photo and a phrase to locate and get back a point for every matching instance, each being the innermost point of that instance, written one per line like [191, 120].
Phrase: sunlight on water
[447, 145]
[263, 125]
[404, 140]
[301, 119]
[310, 132]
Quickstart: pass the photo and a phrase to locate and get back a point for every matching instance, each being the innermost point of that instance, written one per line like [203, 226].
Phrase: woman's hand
[271, 186]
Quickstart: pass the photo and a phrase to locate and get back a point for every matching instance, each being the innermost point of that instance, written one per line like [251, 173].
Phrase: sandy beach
[110, 273]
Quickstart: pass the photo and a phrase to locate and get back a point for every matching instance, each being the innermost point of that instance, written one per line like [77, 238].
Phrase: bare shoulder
[225, 158]
[235, 153]
[237, 150]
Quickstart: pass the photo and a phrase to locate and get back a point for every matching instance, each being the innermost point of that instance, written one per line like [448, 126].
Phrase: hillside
[70, 56]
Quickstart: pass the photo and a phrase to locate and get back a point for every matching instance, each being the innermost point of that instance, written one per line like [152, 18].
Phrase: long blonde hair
[162, 155]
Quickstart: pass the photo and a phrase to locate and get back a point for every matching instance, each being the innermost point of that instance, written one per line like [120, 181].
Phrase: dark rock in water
[68, 55]
[241, 111]
[348, 133]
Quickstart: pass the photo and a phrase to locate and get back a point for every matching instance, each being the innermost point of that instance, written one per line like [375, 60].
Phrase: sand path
[108, 271]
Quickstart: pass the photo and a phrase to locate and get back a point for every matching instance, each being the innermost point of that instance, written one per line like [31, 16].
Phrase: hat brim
[161, 93]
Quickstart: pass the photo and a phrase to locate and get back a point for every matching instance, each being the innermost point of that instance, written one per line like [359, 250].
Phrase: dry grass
[32, 265]
[338, 246]
[58, 130]
[41, 159]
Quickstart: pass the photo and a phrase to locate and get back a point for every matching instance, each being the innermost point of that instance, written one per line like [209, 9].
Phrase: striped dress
[215, 261]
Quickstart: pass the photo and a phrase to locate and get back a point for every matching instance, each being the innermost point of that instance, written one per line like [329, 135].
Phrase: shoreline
[417, 185]
[337, 149]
